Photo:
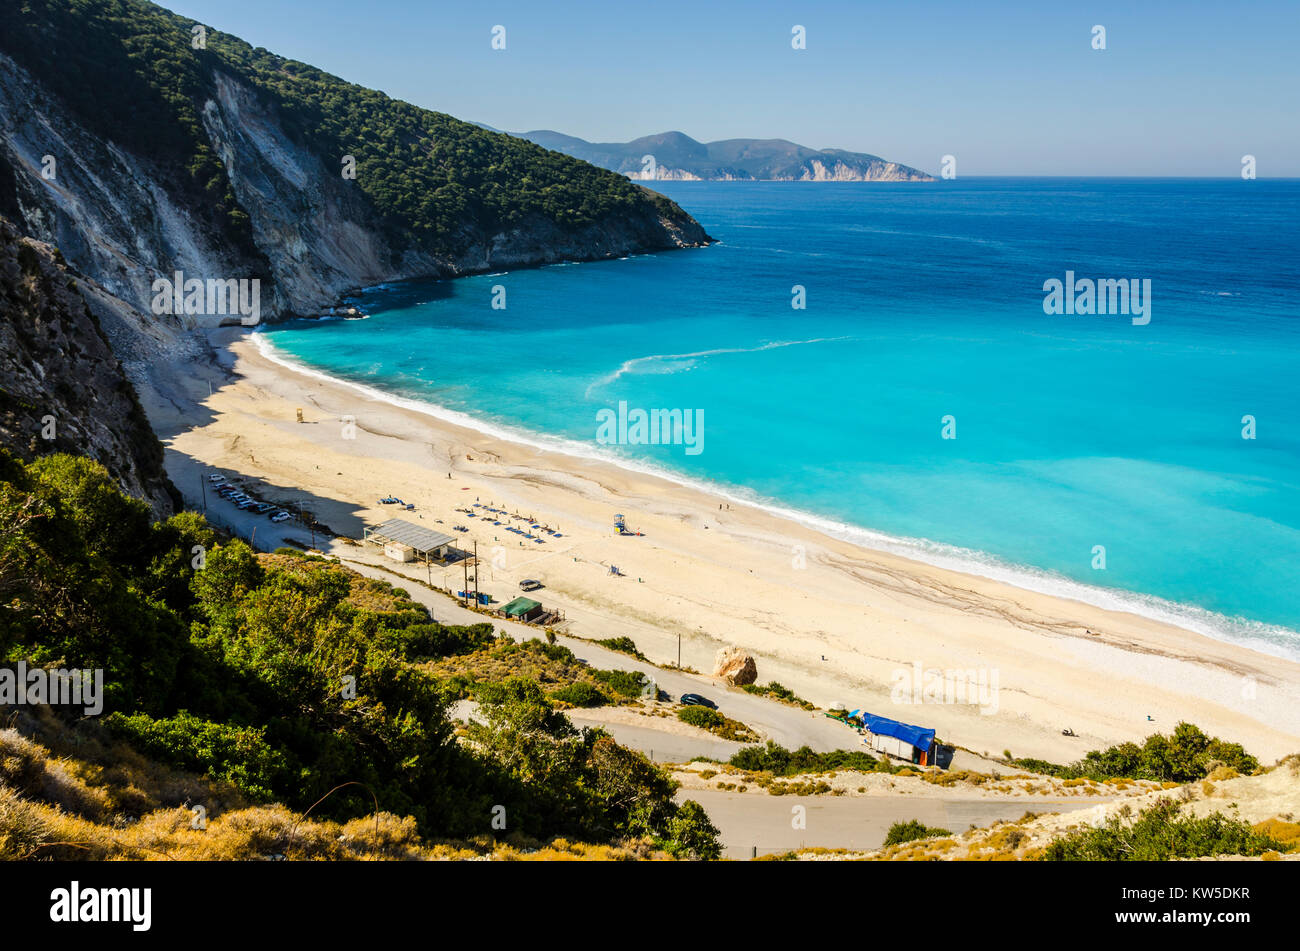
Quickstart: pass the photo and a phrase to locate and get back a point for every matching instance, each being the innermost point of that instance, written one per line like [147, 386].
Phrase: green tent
[520, 607]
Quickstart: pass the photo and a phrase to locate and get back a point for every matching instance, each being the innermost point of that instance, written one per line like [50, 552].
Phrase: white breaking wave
[638, 364]
[1259, 636]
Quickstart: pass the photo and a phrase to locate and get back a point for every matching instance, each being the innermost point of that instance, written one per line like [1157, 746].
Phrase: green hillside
[277, 679]
[128, 70]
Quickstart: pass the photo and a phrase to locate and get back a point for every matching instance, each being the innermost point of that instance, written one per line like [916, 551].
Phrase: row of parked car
[245, 502]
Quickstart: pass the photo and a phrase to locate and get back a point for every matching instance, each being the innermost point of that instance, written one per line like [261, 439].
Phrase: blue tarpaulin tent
[919, 737]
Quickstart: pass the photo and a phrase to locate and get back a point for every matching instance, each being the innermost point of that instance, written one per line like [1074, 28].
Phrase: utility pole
[204, 488]
[679, 650]
[252, 539]
[476, 601]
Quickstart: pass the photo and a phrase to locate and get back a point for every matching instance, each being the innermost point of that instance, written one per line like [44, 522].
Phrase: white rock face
[103, 209]
[315, 227]
[816, 170]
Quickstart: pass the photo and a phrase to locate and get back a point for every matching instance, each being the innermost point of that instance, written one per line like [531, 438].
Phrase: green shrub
[580, 694]
[910, 831]
[624, 645]
[1185, 756]
[457, 687]
[778, 692]
[691, 834]
[702, 717]
[238, 755]
[715, 723]
[779, 761]
[1159, 834]
[624, 683]
[429, 639]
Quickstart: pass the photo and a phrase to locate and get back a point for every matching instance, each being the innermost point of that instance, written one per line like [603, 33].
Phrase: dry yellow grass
[76, 795]
[1288, 833]
[31, 830]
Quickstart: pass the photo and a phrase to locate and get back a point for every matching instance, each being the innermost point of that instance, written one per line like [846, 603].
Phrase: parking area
[237, 495]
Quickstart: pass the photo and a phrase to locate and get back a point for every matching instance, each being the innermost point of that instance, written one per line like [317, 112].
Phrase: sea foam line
[630, 365]
[1265, 638]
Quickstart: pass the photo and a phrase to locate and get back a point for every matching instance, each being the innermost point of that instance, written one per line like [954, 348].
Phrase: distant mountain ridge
[676, 156]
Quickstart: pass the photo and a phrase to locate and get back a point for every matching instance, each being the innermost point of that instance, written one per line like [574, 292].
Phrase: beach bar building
[406, 541]
[894, 738]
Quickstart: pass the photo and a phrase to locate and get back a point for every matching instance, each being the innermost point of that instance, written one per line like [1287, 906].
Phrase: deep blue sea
[925, 301]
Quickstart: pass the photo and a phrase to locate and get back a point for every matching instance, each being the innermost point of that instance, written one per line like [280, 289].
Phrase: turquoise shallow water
[925, 301]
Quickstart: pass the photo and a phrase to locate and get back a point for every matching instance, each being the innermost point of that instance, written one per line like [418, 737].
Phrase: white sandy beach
[834, 631]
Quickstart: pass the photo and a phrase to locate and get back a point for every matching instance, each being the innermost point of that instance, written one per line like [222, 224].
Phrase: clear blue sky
[1183, 88]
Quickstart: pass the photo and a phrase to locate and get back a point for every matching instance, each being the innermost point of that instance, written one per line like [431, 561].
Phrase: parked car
[530, 584]
[215, 477]
[695, 700]
[280, 516]
[264, 507]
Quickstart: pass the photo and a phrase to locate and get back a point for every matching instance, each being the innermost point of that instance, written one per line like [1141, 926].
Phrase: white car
[280, 516]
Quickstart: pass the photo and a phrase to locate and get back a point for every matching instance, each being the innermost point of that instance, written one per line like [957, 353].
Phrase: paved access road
[750, 820]
[789, 726]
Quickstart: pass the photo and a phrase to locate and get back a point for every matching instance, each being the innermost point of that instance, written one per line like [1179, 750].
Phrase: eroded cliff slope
[61, 387]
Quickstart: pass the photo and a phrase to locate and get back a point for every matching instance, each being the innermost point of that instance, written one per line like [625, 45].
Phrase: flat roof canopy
[419, 538]
[520, 606]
